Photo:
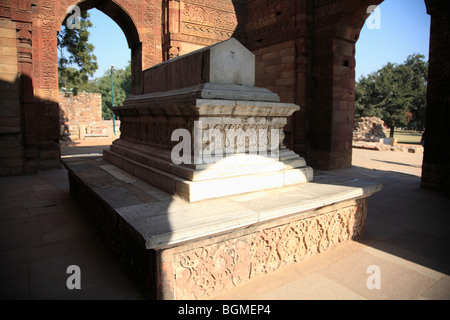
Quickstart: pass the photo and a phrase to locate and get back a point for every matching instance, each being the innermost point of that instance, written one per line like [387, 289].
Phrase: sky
[111, 47]
[403, 28]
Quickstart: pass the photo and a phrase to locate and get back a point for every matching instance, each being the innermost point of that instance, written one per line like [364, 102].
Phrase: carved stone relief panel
[208, 270]
[204, 271]
[214, 20]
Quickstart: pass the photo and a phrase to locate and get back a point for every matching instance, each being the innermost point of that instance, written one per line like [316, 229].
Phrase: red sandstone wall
[81, 111]
[11, 152]
[192, 24]
[276, 70]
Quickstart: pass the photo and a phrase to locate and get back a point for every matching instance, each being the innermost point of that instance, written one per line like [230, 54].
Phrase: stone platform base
[180, 250]
[228, 177]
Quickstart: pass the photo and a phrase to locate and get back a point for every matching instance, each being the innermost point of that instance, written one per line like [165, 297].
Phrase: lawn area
[408, 137]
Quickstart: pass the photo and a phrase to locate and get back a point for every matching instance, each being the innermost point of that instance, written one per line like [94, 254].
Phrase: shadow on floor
[406, 220]
[398, 163]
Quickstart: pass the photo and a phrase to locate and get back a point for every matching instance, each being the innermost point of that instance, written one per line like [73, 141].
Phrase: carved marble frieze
[157, 131]
[208, 270]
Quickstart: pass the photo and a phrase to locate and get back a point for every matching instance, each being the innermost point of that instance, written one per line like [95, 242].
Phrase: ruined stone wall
[80, 113]
[82, 109]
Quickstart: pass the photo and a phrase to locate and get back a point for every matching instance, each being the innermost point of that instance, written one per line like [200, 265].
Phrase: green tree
[418, 80]
[122, 89]
[76, 62]
[394, 91]
[366, 98]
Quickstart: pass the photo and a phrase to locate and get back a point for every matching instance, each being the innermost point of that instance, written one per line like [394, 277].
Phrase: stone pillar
[436, 164]
[320, 119]
[300, 121]
[11, 152]
[192, 25]
[18, 117]
[337, 27]
[25, 59]
[45, 83]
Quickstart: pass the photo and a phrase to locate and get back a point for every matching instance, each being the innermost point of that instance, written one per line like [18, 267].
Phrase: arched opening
[87, 112]
[119, 15]
[349, 30]
[396, 45]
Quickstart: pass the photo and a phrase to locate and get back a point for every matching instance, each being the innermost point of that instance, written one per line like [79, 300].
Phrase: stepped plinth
[211, 133]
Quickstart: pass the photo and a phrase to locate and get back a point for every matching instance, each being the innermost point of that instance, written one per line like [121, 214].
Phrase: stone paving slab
[396, 281]
[311, 287]
[439, 291]
[42, 232]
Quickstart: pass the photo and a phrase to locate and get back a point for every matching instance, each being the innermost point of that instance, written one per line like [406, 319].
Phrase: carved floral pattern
[282, 245]
[208, 270]
[245, 137]
[203, 21]
[209, 17]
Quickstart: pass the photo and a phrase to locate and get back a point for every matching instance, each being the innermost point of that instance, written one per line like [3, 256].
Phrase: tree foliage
[122, 89]
[76, 62]
[394, 92]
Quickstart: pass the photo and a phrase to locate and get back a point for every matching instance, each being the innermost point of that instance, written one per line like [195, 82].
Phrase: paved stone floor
[43, 231]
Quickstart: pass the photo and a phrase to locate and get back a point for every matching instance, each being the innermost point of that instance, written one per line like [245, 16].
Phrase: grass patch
[408, 137]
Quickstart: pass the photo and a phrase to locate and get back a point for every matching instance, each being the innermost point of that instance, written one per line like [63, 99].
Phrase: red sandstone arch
[136, 19]
[139, 21]
[332, 146]
[118, 12]
[435, 172]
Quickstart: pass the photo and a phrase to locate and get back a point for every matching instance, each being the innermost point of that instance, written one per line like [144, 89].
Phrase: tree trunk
[392, 133]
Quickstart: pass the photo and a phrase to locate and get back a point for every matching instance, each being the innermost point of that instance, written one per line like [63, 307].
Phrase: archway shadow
[399, 163]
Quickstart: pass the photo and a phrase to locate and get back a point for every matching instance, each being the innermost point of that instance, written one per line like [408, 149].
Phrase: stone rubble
[371, 133]
[369, 129]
